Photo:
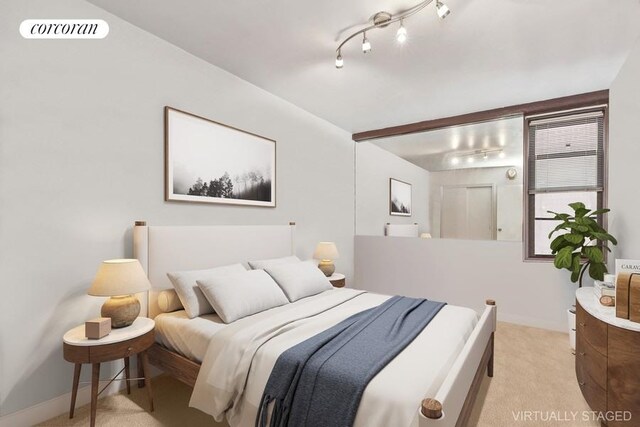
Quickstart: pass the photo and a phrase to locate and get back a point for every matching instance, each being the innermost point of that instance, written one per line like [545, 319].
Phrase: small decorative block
[97, 328]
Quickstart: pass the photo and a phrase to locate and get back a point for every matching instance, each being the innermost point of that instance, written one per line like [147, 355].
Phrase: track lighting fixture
[472, 155]
[366, 46]
[401, 35]
[442, 9]
[339, 60]
[384, 19]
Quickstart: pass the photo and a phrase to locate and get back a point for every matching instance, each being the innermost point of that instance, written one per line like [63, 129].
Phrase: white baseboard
[52, 408]
[533, 322]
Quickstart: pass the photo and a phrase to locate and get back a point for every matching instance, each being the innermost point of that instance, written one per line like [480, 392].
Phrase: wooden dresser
[607, 360]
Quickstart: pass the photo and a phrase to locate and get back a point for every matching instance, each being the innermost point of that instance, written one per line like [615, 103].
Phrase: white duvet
[240, 358]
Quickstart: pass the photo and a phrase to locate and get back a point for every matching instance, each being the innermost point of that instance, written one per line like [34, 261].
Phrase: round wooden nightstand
[119, 344]
[337, 280]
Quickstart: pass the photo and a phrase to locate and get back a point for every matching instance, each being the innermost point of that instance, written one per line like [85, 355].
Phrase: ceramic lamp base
[327, 267]
[122, 310]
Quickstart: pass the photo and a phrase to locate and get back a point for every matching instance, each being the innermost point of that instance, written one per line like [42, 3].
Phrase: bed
[432, 388]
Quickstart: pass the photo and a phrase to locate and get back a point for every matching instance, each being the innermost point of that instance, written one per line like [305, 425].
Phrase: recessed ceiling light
[455, 161]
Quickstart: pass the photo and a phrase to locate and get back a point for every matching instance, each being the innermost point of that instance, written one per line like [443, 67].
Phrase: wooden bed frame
[450, 407]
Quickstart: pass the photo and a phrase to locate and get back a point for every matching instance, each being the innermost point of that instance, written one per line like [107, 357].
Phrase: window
[565, 164]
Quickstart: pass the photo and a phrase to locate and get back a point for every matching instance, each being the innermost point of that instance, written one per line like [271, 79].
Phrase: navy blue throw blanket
[320, 381]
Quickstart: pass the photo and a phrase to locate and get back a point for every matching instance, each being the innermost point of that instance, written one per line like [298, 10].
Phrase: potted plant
[580, 248]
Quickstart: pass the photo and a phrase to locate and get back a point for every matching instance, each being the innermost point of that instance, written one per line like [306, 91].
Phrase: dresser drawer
[593, 330]
[119, 350]
[623, 388]
[593, 364]
[595, 395]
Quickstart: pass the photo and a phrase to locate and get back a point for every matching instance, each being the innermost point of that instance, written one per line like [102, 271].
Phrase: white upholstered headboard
[163, 249]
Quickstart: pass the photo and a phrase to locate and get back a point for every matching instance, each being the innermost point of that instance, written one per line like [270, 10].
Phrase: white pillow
[184, 282]
[299, 280]
[243, 294]
[169, 301]
[266, 263]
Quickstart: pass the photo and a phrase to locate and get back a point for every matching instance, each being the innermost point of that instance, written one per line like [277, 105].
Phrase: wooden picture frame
[210, 162]
[400, 195]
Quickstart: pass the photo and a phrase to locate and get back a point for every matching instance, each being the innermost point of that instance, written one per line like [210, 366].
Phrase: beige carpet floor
[534, 385]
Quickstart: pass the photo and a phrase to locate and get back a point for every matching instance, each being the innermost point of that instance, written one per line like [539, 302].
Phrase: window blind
[566, 153]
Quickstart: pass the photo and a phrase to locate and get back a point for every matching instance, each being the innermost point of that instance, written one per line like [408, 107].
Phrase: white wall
[476, 176]
[374, 167]
[624, 158]
[81, 158]
[467, 272]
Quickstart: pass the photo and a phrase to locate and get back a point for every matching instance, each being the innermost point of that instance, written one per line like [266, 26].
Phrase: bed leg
[492, 344]
[490, 364]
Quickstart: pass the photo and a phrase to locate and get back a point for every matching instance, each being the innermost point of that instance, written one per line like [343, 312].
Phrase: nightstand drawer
[119, 350]
[75, 354]
[338, 283]
[591, 362]
[592, 329]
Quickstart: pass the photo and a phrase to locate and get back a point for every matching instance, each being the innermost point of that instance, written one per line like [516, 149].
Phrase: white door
[509, 212]
[480, 213]
[467, 213]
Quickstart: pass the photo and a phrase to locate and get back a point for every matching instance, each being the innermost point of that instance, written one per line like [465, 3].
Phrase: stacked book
[601, 289]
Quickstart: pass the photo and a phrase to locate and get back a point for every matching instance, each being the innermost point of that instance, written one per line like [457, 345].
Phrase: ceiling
[486, 54]
[461, 147]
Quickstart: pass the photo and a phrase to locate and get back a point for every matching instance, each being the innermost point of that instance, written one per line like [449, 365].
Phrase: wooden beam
[538, 107]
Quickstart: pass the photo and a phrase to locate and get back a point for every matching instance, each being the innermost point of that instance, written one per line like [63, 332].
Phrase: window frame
[528, 241]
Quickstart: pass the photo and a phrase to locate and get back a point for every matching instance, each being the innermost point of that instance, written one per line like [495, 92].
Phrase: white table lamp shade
[119, 277]
[326, 250]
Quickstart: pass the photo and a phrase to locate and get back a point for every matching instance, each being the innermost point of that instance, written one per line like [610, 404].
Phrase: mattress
[188, 337]
[241, 356]
[450, 330]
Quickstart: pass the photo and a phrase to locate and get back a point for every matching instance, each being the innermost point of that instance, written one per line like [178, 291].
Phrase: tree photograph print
[212, 163]
[399, 198]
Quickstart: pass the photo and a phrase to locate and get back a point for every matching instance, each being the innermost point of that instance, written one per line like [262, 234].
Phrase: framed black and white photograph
[399, 198]
[209, 162]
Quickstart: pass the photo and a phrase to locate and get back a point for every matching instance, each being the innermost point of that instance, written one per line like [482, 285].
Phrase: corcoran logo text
[64, 29]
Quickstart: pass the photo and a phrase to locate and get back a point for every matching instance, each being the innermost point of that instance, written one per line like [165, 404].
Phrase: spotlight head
[455, 161]
[502, 155]
[366, 46]
[401, 35]
[339, 61]
[442, 9]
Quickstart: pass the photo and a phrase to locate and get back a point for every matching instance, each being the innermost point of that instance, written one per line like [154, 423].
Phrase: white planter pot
[571, 315]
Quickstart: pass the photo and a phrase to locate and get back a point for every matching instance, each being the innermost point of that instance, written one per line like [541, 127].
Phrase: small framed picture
[399, 197]
[209, 162]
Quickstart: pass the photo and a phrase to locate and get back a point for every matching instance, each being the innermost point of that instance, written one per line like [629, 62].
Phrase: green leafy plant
[583, 246]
